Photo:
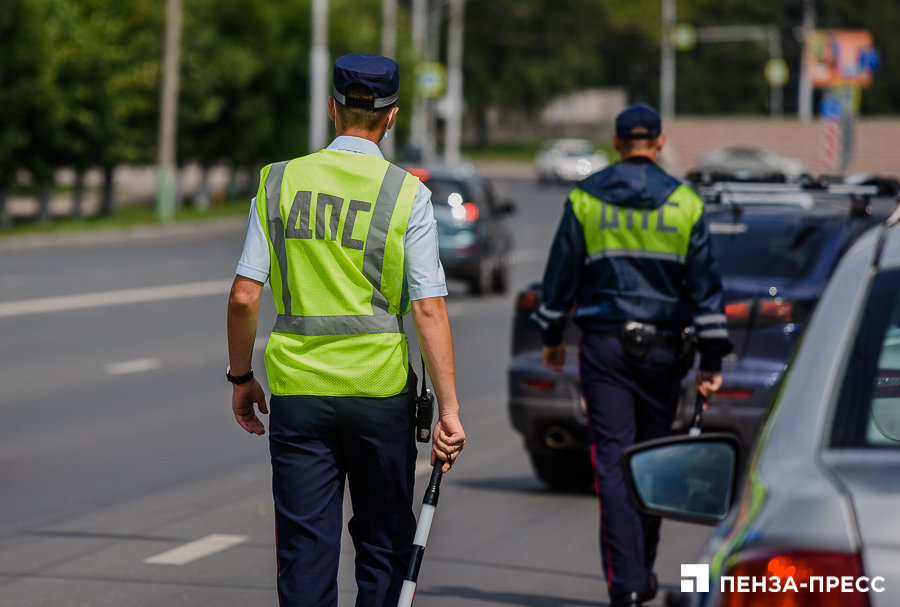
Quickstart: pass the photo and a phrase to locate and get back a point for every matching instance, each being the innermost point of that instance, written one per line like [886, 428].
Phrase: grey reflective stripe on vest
[376, 239]
[276, 226]
[636, 253]
[337, 325]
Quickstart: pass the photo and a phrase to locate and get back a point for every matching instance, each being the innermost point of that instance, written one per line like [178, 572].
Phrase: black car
[775, 260]
[475, 242]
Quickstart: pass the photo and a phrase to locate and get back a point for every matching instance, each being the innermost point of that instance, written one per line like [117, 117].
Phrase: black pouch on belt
[424, 410]
[637, 338]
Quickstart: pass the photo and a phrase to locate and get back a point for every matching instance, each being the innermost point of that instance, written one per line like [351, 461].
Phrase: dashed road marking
[114, 298]
[133, 366]
[192, 551]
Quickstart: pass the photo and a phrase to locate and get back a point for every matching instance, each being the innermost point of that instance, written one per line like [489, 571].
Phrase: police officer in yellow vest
[634, 258]
[349, 245]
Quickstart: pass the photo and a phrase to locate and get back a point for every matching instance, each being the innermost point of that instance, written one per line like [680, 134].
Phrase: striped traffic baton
[429, 504]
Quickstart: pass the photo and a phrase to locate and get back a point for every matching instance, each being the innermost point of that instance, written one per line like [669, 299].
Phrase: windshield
[786, 247]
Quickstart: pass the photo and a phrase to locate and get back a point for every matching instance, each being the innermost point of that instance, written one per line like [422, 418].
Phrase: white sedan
[568, 160]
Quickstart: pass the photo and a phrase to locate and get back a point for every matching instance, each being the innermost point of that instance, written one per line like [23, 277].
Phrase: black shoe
[630, 599]
[650, 594]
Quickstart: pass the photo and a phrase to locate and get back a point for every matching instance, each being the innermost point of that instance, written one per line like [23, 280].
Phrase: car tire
[566, 470]
[500, 279]
[480, 284]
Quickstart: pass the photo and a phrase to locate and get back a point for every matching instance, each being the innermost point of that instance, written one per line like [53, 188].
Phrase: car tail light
[738, 312]
[423, 174]
[806, 569]
[775, 311]
[538, 384]
[734, 394]
[528, 302]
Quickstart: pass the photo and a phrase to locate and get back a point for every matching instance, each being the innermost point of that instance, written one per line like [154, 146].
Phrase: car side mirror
[508, 207]
[692, 479]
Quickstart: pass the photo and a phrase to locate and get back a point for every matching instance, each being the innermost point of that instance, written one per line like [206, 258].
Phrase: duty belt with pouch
[639, 337]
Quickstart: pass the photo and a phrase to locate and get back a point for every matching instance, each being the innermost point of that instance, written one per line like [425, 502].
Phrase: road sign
[841, 57]
[431, 80]
[777, 72]
[684, 37]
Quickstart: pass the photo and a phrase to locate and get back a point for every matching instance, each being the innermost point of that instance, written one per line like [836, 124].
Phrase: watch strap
[238, 379]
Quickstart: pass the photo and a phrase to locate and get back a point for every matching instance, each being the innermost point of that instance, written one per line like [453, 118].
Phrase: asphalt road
[117, 442]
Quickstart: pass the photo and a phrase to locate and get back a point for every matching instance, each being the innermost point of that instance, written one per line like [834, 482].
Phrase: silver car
[568, 160]
[814, 519]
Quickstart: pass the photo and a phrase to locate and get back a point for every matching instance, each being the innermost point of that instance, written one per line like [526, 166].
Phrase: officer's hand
[555, 357]
[448, 439]
[708, 382]
[242, 400]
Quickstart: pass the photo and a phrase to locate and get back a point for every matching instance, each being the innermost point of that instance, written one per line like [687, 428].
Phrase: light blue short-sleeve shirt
[424, 272]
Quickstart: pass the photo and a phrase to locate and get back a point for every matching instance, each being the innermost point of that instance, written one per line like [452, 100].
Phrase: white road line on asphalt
[114, 298]
[192, 551]
[133, 366]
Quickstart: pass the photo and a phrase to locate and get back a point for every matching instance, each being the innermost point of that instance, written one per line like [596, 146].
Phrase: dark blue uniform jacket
[608, 291]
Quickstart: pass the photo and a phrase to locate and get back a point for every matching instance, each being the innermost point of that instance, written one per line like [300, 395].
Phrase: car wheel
[481, 282]
[566, 470]
[500, 282]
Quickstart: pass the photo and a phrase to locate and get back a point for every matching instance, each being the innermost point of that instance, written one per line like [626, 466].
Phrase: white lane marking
[524, 256]
[192, 551]
[114, 298]
[133, 366]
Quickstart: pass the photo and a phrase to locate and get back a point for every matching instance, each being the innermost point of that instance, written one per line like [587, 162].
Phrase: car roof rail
[788, 194]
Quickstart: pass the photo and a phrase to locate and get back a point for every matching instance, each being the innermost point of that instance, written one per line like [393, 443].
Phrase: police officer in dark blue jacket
[633, 256]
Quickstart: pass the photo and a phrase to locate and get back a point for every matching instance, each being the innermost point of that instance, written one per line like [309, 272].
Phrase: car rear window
[757, 246]
[868, 411]
[442, 189]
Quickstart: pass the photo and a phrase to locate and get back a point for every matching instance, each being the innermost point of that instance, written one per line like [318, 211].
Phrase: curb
[121, 235]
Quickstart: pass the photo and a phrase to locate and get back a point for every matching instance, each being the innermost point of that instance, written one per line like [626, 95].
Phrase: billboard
[841, 57]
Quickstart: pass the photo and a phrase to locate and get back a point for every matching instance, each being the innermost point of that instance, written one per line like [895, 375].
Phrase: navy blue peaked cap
[380, 74]
[641, 117]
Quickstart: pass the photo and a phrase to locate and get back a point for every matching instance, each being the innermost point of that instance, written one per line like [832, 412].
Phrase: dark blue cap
[380, 74]
[641, 118]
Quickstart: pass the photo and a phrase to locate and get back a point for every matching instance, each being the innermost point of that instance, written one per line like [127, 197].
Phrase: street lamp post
[318, 68]
[168, 117]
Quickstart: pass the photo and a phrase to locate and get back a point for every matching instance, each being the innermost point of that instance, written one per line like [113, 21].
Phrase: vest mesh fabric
[343, 245]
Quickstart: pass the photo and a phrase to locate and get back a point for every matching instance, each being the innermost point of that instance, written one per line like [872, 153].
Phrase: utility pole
[419, 25]
[388, 49]
[168, 118]
[453, 123]
[318, 70]
[667, 62]
[805, 94]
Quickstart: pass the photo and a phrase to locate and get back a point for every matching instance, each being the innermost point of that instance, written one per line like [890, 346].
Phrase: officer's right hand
[555, 357]
[243, 398]
[447, 440]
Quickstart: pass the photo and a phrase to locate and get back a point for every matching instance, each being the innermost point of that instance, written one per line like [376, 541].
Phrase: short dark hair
[368, 119]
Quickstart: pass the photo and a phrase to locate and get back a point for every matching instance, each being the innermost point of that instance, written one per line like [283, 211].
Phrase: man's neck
[362, 134]
[640, 158]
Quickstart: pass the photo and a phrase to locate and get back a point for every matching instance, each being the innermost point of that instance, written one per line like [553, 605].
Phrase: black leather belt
[667, 341]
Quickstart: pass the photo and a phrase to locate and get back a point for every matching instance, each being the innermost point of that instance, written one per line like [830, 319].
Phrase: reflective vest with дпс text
[663, 233]
[336, 223]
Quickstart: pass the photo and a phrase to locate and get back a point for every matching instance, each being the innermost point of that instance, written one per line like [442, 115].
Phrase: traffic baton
[429, 504]
[699, 406]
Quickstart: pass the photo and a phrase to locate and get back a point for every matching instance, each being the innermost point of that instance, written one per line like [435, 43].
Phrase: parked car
[748, 163]
[775, 260]
[568, 160]
[475, 242]
[814, 517]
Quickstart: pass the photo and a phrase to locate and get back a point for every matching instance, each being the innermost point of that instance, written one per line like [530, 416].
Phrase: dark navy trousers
[317, 443]
[628, 401]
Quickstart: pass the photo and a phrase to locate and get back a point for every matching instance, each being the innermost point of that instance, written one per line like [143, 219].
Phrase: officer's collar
[355, 145]
[639, 160]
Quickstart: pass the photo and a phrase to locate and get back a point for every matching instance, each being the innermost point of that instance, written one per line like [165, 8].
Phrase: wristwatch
[238, 379]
